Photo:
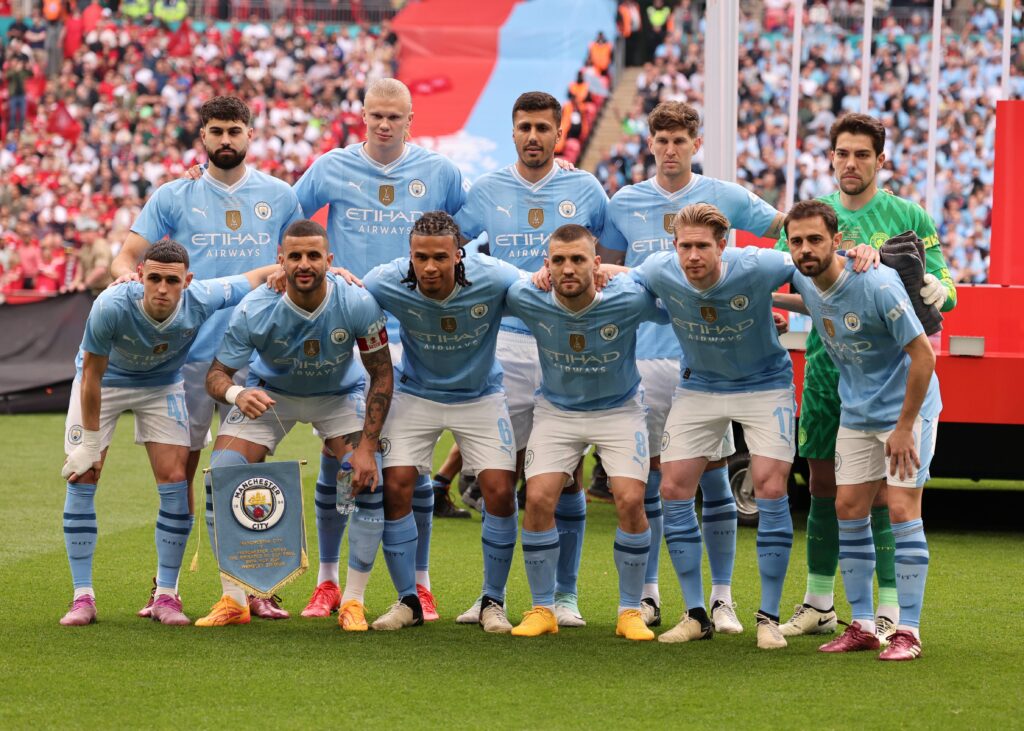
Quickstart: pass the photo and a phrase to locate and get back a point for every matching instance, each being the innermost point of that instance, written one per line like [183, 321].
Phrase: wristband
[232, 393]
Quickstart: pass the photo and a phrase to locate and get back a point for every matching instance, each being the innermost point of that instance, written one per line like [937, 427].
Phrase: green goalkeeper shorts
[819, 408]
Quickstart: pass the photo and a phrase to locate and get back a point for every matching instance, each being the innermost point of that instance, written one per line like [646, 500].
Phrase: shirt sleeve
[611, 237]
[307, 189]
[779, 266]
[215, 294]
[370, 324]
[750, 212]
[894, 307]
[291, 201]
[599, 201]
[100, 327]
[934, 261]
[653, 311]
[236, 347]
[155, 219]
[471, 216]
[457, 190]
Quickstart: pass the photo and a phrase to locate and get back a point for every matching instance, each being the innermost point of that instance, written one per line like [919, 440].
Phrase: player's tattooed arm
[775, 230]
[252, 402]
[378, 398]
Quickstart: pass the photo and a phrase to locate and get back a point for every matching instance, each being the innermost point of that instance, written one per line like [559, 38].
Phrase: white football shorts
[161, 415]
[860, 455]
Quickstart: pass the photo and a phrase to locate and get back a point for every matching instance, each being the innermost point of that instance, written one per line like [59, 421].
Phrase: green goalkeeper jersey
[885, 216]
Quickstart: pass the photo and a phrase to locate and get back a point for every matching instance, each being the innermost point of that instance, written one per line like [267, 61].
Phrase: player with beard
[866, 215]
[230, 221]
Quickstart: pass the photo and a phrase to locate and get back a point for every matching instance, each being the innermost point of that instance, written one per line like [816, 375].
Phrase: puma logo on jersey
[131, 340]
[357, 186]
[506, 211]
[200, 211]
[281, 341]
[549, 329]
[641, 215]
[417, 314]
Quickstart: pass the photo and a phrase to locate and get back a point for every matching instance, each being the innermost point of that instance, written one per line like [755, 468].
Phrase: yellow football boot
[536, 622]
[631, 625]
[225, 611]
[352, 616]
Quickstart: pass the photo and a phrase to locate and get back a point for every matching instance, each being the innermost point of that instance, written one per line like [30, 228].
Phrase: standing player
[589, 395]
[640, 220]
[376, 191]
[305, 371]
[136, 339]
[230, 220]
[866, 216]
[450, 307]
[890, 409]
[519, 207]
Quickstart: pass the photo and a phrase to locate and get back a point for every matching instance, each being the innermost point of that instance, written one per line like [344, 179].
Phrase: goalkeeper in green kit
[867, 215]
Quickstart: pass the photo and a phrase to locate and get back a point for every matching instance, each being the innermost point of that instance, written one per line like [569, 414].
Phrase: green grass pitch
[125, 672]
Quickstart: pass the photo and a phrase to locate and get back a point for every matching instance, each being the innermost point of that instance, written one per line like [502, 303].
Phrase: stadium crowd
[830, 86]
[85, 148]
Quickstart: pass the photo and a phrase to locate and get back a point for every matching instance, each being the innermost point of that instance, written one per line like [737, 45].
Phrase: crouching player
[887, 426]
[449, 306]
[305, 372]
[589, 395]
[136, 340]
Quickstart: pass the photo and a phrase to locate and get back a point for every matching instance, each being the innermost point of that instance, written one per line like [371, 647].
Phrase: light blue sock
[718, 511]
[857, 566]
[682, 534]
[400, 553]
[911, 569]
[365, 530]
[219, 458]
[423, 510]
[80, 531]
[656, 518]
[172, 529]
[631, 551]
[774, 543]
[540, 554]
[571, 523]
[498, 536]
[330, 524]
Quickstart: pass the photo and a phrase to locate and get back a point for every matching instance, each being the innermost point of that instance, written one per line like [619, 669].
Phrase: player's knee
[171, 473]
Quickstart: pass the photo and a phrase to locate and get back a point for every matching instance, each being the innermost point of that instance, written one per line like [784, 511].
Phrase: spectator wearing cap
[94, 258]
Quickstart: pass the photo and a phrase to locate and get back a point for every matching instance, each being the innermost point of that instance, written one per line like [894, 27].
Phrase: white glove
[934, 292]
[84, 456]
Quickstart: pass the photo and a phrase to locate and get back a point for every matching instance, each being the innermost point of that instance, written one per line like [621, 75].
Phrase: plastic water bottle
[346, 501]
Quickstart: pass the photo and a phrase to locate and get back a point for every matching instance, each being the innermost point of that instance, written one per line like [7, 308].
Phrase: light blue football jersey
[372, 206]
[448, 345]
[865, 321]
[587, 358]
[142, 351]
[519, 217]
[304, 353]
[640, 224]
[727, 333]
[226, 230]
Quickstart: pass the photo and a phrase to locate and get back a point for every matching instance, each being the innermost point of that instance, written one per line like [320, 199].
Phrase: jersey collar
[446, 300]
[161, 326]
[391, 166]
[310, 316]
[836, 285]
[695, 290]
[558, 303]
[679, 193]
[210, 180]
[533, 187]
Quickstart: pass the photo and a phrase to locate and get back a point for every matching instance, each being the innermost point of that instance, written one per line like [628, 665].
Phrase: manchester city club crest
[567, 209]
[235, 416]
[577, 341]
[233, 219]
[386, 194]
[75, 434]
[839, 461]
[710, 314]
[339, 336]
[739, 302]
[385, 446]
[851, 321]
[529, 458]
[311, 348]
[263, 210]
[417, 189]
[449, 324]
[258, 504]
[160, 348]
[478, 311]
[667, 223]
[830, 327]
[535, 217]
[610, 331]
